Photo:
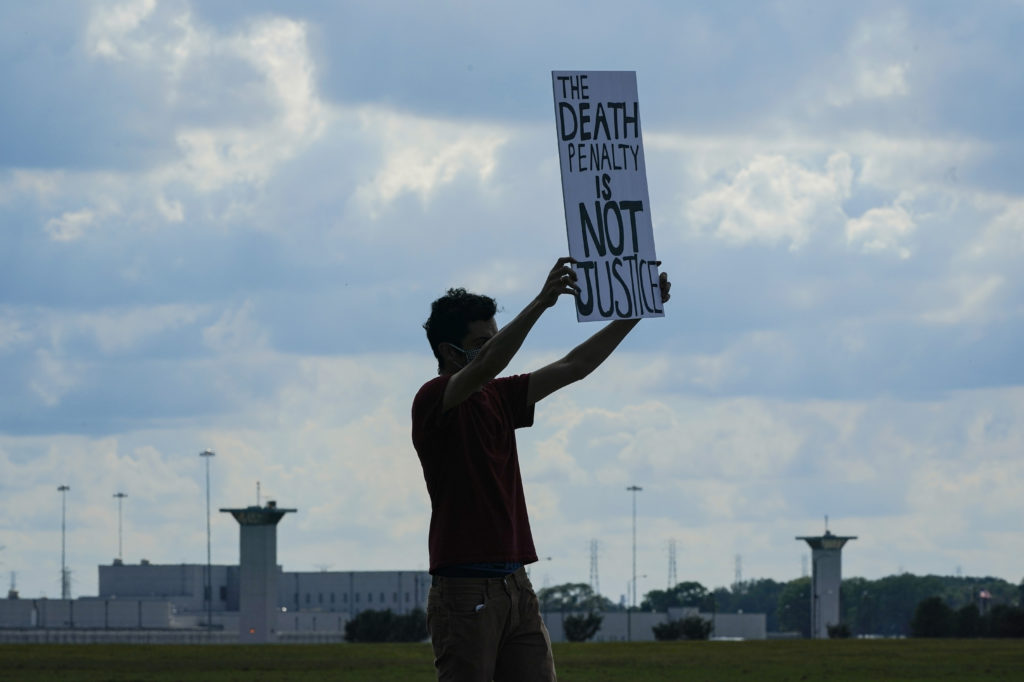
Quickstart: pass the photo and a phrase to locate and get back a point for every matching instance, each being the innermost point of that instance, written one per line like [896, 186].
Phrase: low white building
[172, 596]
[638, 626]
[297, 591]
[85, 613]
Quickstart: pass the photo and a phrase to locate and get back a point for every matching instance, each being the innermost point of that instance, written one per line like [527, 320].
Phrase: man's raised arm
[501, 348]
[586, 357]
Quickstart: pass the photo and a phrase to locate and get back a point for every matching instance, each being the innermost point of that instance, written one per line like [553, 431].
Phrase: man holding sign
[482, 613]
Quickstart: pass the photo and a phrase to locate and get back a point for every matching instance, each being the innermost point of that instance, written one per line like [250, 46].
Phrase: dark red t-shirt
[470, 464]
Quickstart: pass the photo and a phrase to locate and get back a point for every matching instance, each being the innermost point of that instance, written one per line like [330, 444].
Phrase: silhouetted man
[482, 613]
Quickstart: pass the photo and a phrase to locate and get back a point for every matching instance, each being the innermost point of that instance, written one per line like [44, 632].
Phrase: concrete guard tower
[826, 578]
[258, 571]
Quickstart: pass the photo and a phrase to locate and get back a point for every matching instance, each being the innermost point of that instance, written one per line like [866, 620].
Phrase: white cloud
[236, 331]
[882, 229]
[164, 45]
[52, 377]
[12, 334]
[217, 157]
[110, 29]
[41, 186]
[71, 225]
[1011, 220]
[74, 225]
[1003, 236]
[120, 330]
[774, 200]
[965, 299]
[171, 209]
[278, 48]
[870, 81]
[422, 155]
[875, 64]
[113, 330]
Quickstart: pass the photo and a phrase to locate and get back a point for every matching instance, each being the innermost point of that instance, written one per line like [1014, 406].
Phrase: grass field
[959, 660]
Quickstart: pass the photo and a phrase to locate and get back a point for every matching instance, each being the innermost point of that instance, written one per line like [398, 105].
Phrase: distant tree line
[887, 606]
[573, 597]
[935, 618]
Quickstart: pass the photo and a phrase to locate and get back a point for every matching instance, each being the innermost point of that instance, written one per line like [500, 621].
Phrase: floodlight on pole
[65, 582]
[120, 553]
[629, 611]
[208, 582]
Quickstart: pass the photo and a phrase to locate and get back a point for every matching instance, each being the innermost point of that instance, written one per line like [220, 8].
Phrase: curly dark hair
[451, 314]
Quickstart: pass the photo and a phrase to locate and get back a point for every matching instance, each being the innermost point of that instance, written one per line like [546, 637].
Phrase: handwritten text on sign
[604, 187]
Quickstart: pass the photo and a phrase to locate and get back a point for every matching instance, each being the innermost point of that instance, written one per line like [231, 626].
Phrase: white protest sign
[604, 187]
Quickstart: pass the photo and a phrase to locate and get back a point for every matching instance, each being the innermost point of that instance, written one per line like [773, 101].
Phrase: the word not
[607, 229]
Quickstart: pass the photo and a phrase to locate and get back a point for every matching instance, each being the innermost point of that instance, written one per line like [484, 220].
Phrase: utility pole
[208, 578]
[594, 584]
[629, 611]
[120, 553]
[672, 580]
[65, 579]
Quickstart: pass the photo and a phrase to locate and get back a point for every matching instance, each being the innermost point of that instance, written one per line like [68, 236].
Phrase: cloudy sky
[222, 224]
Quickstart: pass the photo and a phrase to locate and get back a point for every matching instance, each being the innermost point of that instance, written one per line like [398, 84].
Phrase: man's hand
[586, 357]
[561, 280]
[664, 285]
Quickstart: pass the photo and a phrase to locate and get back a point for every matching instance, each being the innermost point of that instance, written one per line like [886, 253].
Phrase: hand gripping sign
[604, 188]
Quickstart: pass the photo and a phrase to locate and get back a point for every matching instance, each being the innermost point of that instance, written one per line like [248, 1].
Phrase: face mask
[470, 354]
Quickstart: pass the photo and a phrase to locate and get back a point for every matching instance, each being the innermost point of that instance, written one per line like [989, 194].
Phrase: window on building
[369, 597]
[307, 597]
[344, 598]
[406, 597]
[332, 597]
[394, 597]
[296, 600]
[223, 592]
[320, 598]
[357, 597]
[381, 597]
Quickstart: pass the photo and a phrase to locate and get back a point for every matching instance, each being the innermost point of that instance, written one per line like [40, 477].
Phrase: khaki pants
[485, 629]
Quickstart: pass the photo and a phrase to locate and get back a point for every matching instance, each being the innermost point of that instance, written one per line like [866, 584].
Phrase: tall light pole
[629, 611]
[120, 497]
[65, 582]
[208, 578]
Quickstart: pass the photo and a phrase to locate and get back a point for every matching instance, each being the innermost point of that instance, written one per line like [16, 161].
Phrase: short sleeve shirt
[471, 468]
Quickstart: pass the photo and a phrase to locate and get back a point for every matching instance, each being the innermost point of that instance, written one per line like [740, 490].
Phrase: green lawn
[959, 660]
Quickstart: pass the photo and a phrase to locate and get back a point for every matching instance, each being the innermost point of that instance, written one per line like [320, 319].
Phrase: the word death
[610, 120]
[606, 282]
[603, 156]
